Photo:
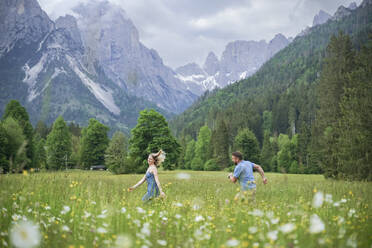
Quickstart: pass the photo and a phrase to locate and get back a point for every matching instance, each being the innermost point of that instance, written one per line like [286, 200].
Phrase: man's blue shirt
[244, 172]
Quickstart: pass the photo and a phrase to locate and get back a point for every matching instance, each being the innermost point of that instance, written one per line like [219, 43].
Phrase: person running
[153, 184]
[244, 173]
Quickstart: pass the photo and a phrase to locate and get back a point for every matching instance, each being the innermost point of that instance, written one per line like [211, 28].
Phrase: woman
[151, 176]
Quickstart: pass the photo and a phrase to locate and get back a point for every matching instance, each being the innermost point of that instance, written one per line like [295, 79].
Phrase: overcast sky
[184, 31]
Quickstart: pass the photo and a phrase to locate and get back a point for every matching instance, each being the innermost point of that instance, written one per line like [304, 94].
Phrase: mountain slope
[43, 65]
[284, 86]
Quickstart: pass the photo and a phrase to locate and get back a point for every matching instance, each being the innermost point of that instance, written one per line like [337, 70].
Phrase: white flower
[336, 204]
[47, 208]
[86, 214]
[343, 200]
[162, 242]
[256, 212]
[232, 243]
[351, 212]
[65, 228]
[101, 230]
[65, 210]
[178, 204]
[199, 218]
[352, 241]
[318, 199]
[25, 234]
[123, 210]
[183, 176]
[140, 210]
[178, 216]
[287, 228]
[328, 198]
[274, 221]
[123, 241]
[252, 229]
[273, 235]
[103, 214]
[146, 229]
[316, 224]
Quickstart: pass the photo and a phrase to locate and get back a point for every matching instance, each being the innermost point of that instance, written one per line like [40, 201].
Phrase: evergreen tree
[246, 142]
[76, 151]
[16, 146]
[42, 129]
[190, 153]
[15, 110]
[355, 141]
[115, 156]
[267, 152]
[4, 163]
[340, 61]
[149, 136]
[220, 145]
[58, 145]
[94, 142]
[202, 145]
[40, 152]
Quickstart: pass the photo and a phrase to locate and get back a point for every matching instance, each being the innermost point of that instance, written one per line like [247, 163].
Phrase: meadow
[94, 209]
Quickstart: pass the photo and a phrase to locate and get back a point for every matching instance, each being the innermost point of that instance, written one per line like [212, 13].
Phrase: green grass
[219, 222]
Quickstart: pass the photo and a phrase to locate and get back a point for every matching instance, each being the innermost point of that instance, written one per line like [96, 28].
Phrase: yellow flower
[314, 190]
[25, 173]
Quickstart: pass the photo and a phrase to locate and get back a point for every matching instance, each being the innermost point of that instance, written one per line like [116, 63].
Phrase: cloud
[185, 31]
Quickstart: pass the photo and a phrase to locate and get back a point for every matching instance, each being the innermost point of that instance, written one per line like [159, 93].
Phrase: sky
[184, 31]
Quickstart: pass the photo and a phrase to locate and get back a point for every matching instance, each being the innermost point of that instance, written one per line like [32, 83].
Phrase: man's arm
[261, 171]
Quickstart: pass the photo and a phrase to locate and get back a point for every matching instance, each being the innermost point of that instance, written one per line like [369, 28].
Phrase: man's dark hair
[239, 155]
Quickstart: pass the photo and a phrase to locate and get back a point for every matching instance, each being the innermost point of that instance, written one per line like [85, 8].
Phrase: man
[244, 173]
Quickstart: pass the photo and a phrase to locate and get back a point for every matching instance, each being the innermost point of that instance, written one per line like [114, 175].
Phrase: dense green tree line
[63, 145]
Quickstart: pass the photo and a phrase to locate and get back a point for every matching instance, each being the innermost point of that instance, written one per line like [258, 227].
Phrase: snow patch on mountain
[103, 94]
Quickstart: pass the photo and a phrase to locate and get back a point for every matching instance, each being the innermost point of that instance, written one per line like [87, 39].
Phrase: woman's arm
[158, 182]
[138, 184]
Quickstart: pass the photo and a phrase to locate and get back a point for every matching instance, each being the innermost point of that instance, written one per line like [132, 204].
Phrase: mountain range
[91, 63]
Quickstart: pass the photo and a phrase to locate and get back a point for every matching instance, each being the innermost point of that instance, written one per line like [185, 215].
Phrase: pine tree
[340, 61]
[246, 142]
[15, 110]
[150, 135]
[220, 145]
[267, 152]
[115, 156]
[94, 142]
[4, 163]
[190, 153]
[40, 152]
[202, 145]
[58, 145]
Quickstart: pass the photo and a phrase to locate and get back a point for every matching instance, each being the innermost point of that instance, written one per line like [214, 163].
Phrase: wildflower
[316, 224]
[123, 241]
[25, 234]
[65, 228]
[162, 242]
[140, 210]
[287, 228]
[199, 218]
[273, 235]
[101, 230]
[178, 216]
[232, 243]
[252, 229]
[65, 210]
[123, 210]
[318, 199]
[328, 198]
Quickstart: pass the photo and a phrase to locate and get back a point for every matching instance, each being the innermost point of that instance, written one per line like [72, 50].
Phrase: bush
[197, 164]
[211, 165]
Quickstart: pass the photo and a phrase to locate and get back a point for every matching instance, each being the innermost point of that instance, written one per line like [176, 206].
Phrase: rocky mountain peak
[320, 18]
[341, 12]
[190, 69]
[22, 20]
[211, 64]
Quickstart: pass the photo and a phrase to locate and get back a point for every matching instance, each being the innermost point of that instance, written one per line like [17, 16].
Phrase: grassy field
[94, 209]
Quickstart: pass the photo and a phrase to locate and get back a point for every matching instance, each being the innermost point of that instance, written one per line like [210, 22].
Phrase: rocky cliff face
[113, 40]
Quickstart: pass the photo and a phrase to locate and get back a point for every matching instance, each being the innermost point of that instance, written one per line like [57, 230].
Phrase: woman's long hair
[159, 157]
